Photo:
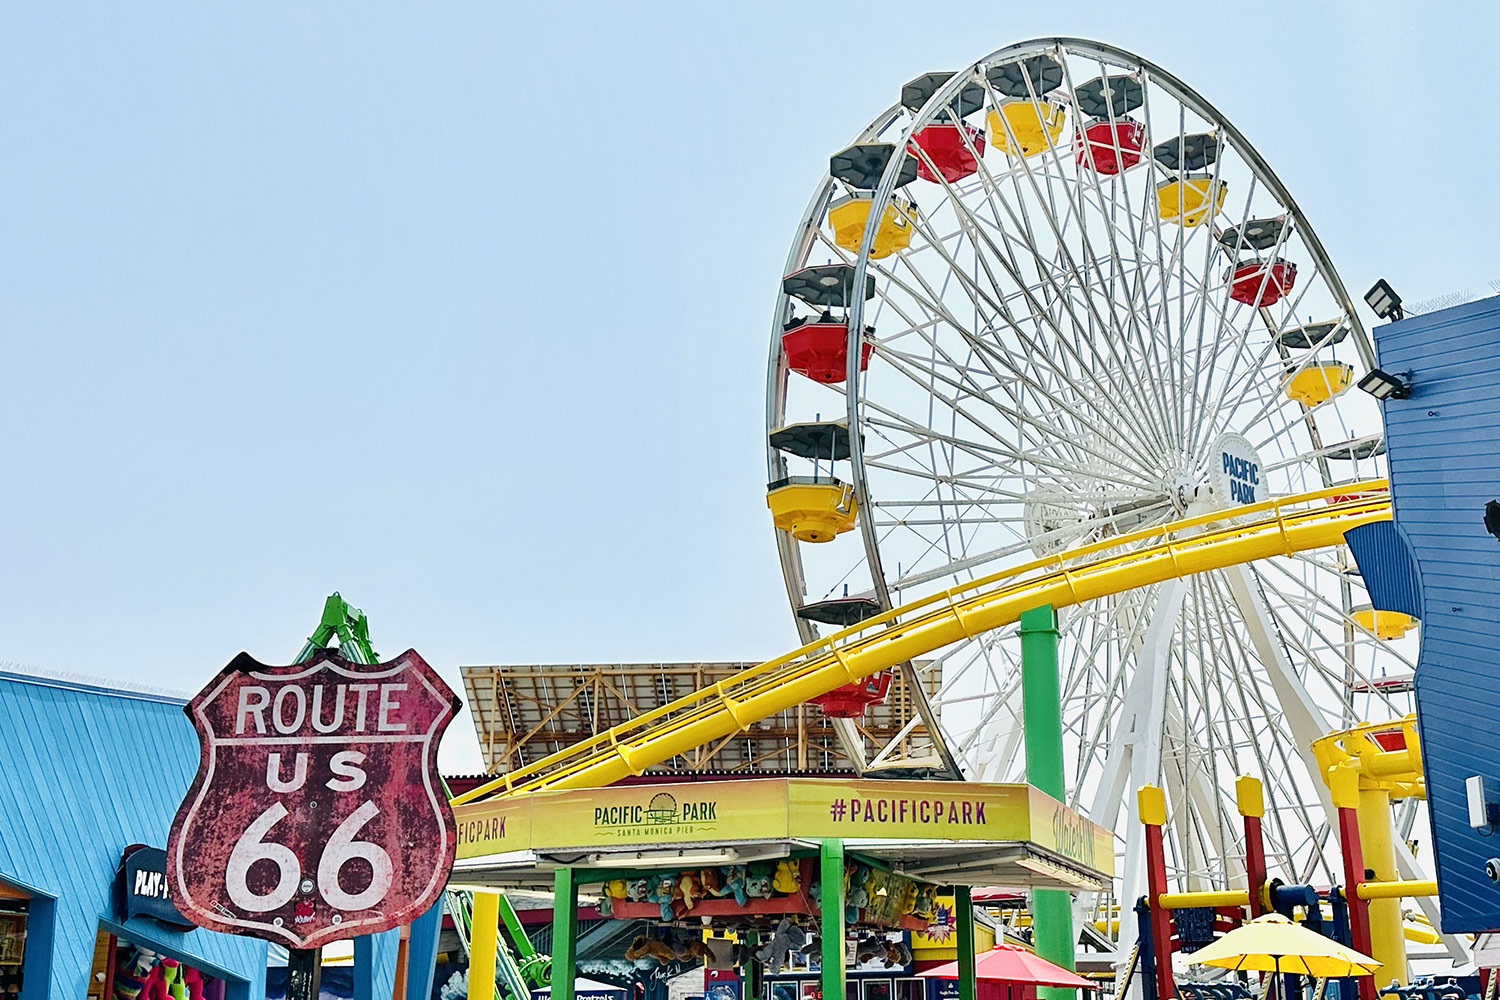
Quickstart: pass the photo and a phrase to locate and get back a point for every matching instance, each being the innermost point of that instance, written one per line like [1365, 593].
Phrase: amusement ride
[1052, 334]
[1048, 301]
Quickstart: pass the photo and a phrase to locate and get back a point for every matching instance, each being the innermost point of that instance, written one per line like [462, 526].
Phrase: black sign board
[141, 887]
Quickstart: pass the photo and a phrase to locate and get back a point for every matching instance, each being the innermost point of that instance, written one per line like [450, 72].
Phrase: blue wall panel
[90, 771]
[1386, 565]
[1444, 453]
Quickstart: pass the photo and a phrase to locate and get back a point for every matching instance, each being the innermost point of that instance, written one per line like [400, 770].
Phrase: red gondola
[1261, 283]
[851, 700]
[819, 349]
[947, 145]
[1108, 148]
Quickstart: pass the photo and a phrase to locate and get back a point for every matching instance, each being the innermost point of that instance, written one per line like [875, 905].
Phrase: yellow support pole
[1208, 897]
[484, 932]
[1387, 936]
[1397, 890]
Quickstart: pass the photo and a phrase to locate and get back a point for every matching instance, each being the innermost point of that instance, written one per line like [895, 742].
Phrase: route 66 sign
[317, 812]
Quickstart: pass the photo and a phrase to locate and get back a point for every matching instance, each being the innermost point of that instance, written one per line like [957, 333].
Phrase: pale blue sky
[462, 308]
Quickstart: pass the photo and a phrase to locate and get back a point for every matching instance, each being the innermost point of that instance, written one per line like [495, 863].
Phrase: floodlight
[1383, 385]
[1383, 299]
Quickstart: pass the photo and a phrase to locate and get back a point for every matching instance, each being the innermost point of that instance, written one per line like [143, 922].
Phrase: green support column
[1041, 706]
[564, 933]
[963, 912]
[831, 925]
[751, 971]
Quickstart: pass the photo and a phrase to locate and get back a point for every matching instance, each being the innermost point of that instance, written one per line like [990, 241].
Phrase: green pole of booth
[1041, 708]
[831, 922]
[963, 912]
[750, 972]
[564, 934]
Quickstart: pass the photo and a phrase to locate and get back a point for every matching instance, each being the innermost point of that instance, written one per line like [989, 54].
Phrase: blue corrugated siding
[1386, 565]
[87, 773]
[1444, 453]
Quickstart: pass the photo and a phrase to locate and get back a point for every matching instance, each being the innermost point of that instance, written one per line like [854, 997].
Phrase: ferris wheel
[1045, 300]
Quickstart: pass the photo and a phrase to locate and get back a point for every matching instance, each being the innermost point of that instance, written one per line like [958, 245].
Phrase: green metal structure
[1041, 704]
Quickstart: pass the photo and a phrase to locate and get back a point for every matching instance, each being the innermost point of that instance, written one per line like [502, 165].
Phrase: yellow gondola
[812, 510]
[1319, 383]
[1022, 127]
[1189, 200]
[848, 215]
[1385, 624]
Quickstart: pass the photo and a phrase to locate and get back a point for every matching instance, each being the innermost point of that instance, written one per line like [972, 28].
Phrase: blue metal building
[89, 771]
[1444, 451]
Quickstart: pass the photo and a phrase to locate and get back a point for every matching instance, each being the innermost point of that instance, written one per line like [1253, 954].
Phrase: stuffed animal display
[148, 976]
[787, 939]
[645, 946]
[874, 898]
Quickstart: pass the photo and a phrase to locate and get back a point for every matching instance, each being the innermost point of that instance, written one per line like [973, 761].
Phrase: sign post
[317, 813]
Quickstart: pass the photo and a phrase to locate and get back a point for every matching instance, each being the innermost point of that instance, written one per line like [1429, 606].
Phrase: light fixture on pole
[1383, 299]
[1383, 385]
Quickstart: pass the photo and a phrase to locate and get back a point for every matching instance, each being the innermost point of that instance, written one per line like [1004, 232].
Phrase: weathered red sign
[317, 812]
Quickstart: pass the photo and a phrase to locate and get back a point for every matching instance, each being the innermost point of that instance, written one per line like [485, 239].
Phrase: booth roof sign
[317, 811]
[713, 812]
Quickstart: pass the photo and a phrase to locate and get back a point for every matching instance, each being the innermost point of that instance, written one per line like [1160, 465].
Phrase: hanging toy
[788, 877]
[130, 980]
[787, 939]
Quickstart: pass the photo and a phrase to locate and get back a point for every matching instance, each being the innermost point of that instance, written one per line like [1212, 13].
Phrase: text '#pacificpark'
[948, 812]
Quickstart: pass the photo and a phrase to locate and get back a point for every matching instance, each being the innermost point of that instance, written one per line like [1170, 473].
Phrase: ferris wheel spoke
[1085, 332]
[1080, 277]
[1297, 710]
[1002, 446]
[1110, 215]
[998, 308]
[1135, 325]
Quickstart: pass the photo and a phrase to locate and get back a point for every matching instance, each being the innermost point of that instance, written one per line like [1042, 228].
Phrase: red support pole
[1344, 784]
[1152, 806]
[1252, 806]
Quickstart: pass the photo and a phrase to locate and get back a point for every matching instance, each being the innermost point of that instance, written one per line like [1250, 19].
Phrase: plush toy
[193, 980]
[874, 882]
[130, 979]
[713, 881]
[909, 896]
[788, 878]
[171, 984]
[866, 950]
[896, 953]
[613, 890]
[857, 897]
[637, 890]
[649, 947]
[787, 939]
[694, 947]
[733, 884]
[927, 902]
[758, 885]
[689, 889]
[665, 894]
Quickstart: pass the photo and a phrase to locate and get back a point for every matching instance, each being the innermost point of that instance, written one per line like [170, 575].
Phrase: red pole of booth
[1343, 783]
[1252, 805]
[1152, 806]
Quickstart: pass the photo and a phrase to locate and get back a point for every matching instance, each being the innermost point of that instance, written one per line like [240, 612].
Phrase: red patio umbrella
[1011, 965]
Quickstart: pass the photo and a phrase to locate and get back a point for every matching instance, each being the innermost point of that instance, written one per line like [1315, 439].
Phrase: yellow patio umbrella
[1273, 943]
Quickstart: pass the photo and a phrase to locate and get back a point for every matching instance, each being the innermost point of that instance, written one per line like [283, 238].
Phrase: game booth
[785, 888]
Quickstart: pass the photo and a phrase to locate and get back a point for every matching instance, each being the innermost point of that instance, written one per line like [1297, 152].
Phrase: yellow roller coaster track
[1114, 565]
